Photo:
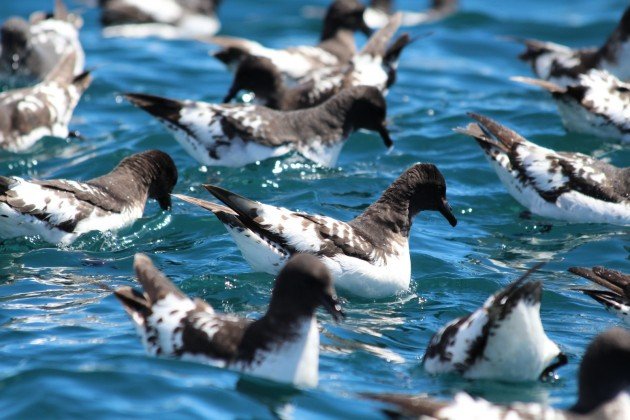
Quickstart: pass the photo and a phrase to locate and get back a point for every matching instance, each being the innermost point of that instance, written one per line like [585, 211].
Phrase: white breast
[380, 279]
[572, 206]
[295, 361]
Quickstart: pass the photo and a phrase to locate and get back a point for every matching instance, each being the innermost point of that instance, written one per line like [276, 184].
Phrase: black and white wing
[297, 232]
[60, 204]
[172, 324]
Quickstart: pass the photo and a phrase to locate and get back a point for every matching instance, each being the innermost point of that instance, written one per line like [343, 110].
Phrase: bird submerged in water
[560, 185]
[238, 134]
[283, 345]
[59, 210]
[503, 340]
[367, 256]
[603, 392]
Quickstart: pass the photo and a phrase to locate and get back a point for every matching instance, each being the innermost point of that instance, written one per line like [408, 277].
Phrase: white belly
[295, 362]
[373, 281]
[571, 207]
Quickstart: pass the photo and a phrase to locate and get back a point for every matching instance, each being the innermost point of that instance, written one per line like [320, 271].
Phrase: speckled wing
[21, 112]
[601, 93]
[255, 123]
[297, 232]
[172, 324]
[551, 174]
[62, 204]
[216, 337]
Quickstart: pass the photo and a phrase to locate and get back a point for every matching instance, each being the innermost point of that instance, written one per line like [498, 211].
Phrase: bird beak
[384, 132]
[332, 306]
[561, 360]
[447, 212]
[165, 202]
[231, 94]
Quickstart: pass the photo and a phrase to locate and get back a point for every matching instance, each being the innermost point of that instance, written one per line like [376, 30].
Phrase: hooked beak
[231, 94]
[384, 132]
[561, 360]
[165, 202]
[332, 306]
[447, 212]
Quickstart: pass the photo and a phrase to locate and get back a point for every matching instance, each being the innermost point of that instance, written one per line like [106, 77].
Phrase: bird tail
[619, 37]
[488, 132]
[613, 280]
[223, 213]
[160, 107]
[551, 87]
[377, 44]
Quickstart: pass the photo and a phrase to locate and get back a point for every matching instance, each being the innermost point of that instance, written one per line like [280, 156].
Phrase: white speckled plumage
[368, 256]
[503, 340]
[567, 186]
[42, 110]
[282, 346]
[597, 103]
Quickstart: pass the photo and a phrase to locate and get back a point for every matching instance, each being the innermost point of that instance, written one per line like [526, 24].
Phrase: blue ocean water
[68, 349]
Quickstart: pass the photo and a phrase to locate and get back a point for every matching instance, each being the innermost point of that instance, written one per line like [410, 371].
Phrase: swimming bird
[31, 113]
[31, 50]
[503, 340]
[60, 210]
[374, 66]
[283, 345]
[336, 45]
[368, 256]
[603, 392]
[560, 185]
[597, 103]
[562, 65]
[617, 298]
[238, 134]
[167, 19]
[377, 13]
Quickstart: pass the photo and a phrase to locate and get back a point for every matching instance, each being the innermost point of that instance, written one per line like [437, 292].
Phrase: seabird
[368, 256]
[283, 345]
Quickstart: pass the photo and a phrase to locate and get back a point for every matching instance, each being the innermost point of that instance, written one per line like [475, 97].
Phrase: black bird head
[368, 110]
[258, 75]
[344, 14]
[158, 171]
[604, 371]
[426, 188]
[303, 285]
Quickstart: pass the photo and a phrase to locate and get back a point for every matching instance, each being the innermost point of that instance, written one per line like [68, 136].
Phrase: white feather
[572, 206]
[295, 361]
[377, 279]
[61, 208]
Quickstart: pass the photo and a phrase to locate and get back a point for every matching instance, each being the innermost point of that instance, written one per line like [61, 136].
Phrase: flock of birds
[310, 99]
